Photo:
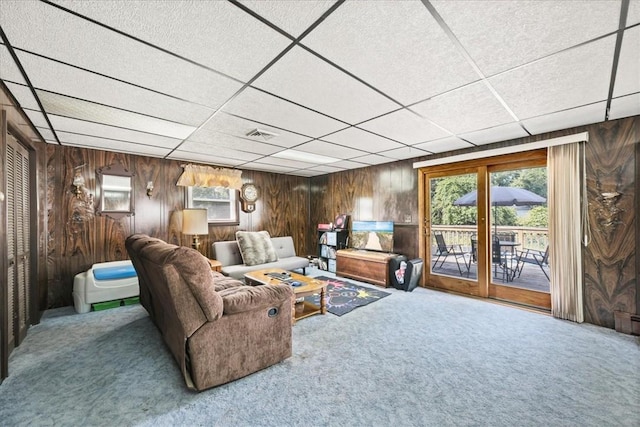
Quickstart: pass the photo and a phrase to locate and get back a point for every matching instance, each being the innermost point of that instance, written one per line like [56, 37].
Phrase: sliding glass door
[484, 230]
[451, 227]
[519, 234]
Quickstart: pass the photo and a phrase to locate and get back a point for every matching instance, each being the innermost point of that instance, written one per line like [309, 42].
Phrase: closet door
[18, 246]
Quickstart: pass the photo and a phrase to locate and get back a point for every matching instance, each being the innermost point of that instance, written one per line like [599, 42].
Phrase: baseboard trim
[627, 323]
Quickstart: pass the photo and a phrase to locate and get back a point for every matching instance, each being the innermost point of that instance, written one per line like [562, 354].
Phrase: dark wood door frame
[4, 271]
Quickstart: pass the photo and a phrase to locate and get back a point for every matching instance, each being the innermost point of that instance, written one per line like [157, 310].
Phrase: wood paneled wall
[78, 237]
[390, 192]
[610, 260]
[386, 192]
[72, 237]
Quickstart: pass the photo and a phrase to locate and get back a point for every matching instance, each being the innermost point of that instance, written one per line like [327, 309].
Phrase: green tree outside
[445, 191]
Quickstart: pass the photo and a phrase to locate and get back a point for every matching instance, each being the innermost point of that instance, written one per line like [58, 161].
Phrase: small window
[221, 203]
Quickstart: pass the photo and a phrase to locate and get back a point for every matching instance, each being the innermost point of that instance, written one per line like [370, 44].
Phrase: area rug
[343, 296]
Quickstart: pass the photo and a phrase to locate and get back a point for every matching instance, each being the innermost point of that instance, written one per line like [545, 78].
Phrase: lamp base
[196, 243]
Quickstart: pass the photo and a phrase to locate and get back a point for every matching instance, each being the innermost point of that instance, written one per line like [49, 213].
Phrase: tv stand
[367, 266]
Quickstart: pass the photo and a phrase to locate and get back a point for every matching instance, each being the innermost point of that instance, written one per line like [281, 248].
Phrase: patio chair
[444, 251]
[533, 256]
[474, 249]
[502, 261]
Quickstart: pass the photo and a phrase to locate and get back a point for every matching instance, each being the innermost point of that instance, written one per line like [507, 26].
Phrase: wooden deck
[531, 277]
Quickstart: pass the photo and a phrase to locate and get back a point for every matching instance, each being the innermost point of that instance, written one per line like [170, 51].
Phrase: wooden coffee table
[309, 286]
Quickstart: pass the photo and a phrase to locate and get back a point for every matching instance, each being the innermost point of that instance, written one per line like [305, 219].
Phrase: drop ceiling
[329, 85]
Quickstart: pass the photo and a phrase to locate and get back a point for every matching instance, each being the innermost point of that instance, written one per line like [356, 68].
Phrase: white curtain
[565, 250]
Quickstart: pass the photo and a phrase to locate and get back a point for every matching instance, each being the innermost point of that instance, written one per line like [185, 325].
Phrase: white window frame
[234, 216]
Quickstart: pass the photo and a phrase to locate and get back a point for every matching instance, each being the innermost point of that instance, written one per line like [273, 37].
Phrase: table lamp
[194, 221]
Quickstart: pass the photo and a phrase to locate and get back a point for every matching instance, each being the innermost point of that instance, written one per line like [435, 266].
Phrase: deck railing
[528, 237]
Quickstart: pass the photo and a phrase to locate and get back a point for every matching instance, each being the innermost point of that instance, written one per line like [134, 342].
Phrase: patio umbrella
[503, 196]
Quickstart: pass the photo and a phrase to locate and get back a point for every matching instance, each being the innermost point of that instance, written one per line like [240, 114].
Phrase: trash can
[405, 274]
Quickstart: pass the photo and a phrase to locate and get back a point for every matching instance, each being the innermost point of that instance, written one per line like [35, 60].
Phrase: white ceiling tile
[110, 145]
[331, 150]
[628, 73]
[304, 78]
[373, 159]
[593, 113]
[442, 145]
[465, 109]
[8, 69]
[204, 158]
[46, 133]
[500, 35]
[633, 15]
[498, 133]
[239, 127]
[268, 168]
[214, 33]
[305, 172]
[214, 141]
[404, 153]
[23, 95]
[211, 149]
[82, 127]
[395, 46]
[362, 140]
[68, 38]
[625, 106]
[348, 164]
[55, 77]
[294, 164]
[575, 77]
[78, 109]
[326, 168]
[264, 108]
[398, 47]
[37, 118]
[292, 17]
[405, 126]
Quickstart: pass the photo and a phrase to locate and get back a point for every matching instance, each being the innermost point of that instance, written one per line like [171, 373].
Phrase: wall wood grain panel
[79, 238]
[609, 261]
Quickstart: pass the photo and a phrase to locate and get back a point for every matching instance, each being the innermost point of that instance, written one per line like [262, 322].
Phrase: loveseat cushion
[256, 247]
[248, 298]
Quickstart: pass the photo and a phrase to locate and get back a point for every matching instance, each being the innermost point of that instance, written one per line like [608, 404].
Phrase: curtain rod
[578, 137]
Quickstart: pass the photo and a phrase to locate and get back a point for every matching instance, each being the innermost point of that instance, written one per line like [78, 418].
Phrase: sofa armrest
[247, 298]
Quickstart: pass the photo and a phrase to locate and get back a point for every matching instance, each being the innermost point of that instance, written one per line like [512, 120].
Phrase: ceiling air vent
[263, 134]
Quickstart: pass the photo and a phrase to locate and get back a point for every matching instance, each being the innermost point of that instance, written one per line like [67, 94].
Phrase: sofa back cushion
[284, 246]
[256, 247]
[181, 287]
[228, 253]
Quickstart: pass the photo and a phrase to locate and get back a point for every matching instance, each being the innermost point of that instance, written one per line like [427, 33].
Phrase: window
[221, 203]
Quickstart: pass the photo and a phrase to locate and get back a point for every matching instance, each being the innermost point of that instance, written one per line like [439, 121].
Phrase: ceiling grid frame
[280, 13]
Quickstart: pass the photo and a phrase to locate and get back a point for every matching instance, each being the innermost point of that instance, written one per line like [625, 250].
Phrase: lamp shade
[194, 221]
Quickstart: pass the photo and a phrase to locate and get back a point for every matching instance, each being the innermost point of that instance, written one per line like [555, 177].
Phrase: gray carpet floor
[424, 358]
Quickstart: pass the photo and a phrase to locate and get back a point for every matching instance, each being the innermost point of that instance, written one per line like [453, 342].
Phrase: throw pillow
[256, 247]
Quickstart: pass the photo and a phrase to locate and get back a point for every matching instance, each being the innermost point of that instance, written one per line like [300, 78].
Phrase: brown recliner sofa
[217, 329]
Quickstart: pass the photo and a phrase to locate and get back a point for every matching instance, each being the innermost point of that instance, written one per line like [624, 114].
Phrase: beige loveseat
[217, 329]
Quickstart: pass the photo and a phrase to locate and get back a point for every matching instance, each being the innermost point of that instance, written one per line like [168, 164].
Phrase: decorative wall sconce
[78, 181]
[149, 189]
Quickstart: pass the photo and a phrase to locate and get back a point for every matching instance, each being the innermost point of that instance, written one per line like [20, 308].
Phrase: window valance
[207, 176]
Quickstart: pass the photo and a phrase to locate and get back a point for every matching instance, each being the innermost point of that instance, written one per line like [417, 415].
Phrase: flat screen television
[372, 235]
